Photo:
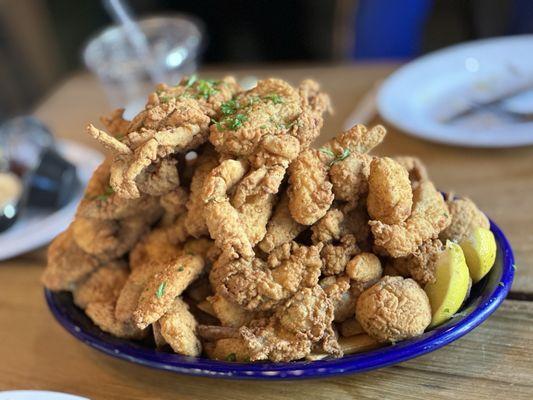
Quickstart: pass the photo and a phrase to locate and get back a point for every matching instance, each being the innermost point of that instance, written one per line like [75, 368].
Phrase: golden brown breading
[349, 177]
[103, 315]
[103, 285]
[336, 256]
[267, 109]
[429, 217]
[297, 325]
[108, 239]
[159, 179]
[415, 167]
[174, 120]
[154, 247]
[173, 202]
[258, 285]
[168, 283]
[394, 309]
[465, 218]
[67, 264]
[364, 267]
[178, 328]
[195, 220]
[314, 104]
[390, 197]
[229, 313]
[310, 191]
[223, 220]
[281, 228]
[421, 264]
[100, 201]
[115, 123]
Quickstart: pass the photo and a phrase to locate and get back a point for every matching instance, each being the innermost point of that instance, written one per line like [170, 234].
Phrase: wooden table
[494, 360]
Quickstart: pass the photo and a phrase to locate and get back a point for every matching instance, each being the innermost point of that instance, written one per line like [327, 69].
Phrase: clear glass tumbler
[174, 44]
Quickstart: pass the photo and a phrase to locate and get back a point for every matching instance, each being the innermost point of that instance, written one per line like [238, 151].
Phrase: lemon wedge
[448, 292]
[480, 252]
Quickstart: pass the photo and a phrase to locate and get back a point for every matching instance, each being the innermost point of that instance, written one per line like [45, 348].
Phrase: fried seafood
[394, 309]
[175, 119]
[261, 285]
[281, 228]
[67, 263]
[101, 202]
[416, 169]
[109, 239]
[216, 228]
[390, 197]
[421, 264]
[162, 288]
[310, 190]
[429, 217]
[104, 285]
[177, 327]
[465, 218]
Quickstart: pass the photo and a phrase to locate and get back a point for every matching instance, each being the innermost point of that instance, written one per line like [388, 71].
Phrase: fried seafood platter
[215, 228]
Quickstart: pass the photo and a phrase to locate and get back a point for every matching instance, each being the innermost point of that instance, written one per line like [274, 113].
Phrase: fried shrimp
[428, 218]
[390, 197]
[310, 190]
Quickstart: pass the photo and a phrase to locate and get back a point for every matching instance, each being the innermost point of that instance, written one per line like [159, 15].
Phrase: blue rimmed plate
[485, 297]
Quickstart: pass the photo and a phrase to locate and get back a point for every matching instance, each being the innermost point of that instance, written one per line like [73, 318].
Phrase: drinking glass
[173, 43]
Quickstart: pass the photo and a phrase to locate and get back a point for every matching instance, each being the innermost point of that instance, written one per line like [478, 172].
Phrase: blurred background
[41, 40]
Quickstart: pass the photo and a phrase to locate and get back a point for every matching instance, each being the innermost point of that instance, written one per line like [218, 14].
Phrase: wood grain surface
[494, 360]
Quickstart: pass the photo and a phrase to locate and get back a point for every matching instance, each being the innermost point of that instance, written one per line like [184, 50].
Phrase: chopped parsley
[229, 107]
[161, 290]
[164, 99]
[231, 122]
[107, 192]
[343, 156]
[180, 268]
[326, 151]
[191, 80]
[206, 87]
[263, 127]
[274, 98]
[231, 357]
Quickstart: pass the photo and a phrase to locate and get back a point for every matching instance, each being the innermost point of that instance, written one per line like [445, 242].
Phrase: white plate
[36, 228]
[418, 96]
[37, 395]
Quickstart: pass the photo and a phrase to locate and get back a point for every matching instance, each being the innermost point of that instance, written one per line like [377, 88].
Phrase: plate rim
[349, 364]
[414, 130]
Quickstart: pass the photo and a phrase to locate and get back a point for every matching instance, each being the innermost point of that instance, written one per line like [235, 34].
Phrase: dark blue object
[390, 29]
[484, 299]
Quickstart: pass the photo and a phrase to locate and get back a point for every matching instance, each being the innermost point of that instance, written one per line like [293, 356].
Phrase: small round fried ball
[393, 309]
[364, 267]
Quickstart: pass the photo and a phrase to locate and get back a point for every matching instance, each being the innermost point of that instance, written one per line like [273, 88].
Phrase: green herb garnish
[180, 268]
[326, 151]
[164, 99]
[229, 107]
[206, 87]
[231, 357]
[237, 121]
[343, 156]
[191, 80]
[274, 98]
[107, 192]
[161, 290]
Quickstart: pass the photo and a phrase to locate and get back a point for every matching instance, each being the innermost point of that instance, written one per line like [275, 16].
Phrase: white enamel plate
[421, 97]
